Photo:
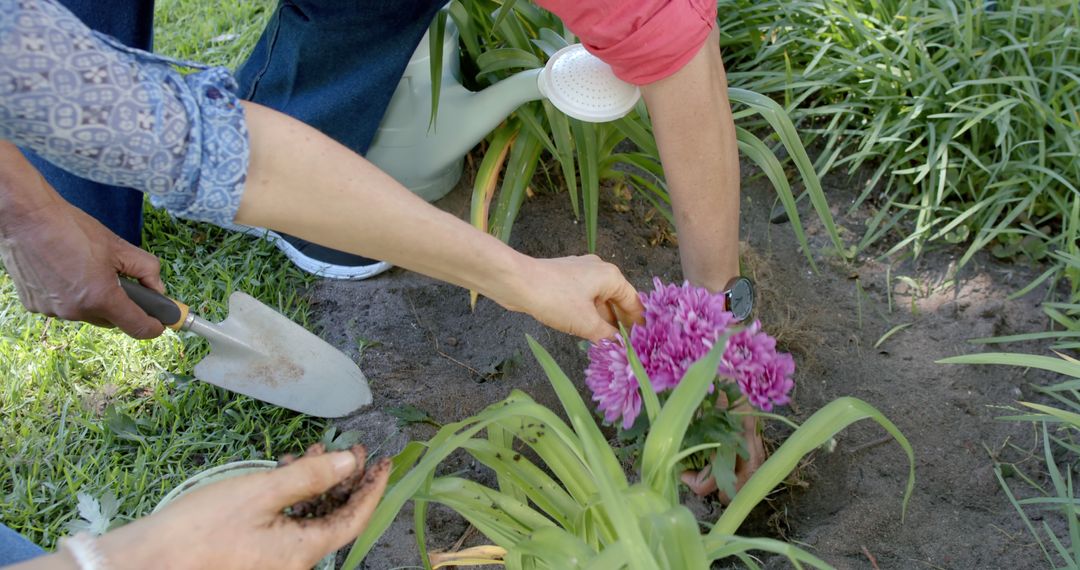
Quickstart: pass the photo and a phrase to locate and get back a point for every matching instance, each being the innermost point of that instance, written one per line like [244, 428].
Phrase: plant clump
[682, 323]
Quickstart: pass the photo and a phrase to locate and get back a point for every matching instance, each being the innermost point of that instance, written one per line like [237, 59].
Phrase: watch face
[741, 298]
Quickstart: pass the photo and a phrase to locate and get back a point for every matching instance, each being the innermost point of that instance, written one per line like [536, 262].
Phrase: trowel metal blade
[258, 352]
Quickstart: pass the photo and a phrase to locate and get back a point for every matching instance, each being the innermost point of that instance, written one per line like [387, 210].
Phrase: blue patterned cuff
[218, 153]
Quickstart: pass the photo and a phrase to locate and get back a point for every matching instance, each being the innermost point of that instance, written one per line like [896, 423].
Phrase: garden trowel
[258, 352]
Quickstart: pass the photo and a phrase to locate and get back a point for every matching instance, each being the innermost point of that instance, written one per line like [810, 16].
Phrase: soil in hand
[336, 496]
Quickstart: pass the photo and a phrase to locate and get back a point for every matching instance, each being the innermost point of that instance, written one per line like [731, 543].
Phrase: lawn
[89, 411]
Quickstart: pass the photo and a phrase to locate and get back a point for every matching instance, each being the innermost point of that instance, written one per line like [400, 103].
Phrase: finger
[627, 304]
[121, 311]
[701, 482]
[597, 329]
[345, 524]
[606, 312]
[139, 264]
[309, 476]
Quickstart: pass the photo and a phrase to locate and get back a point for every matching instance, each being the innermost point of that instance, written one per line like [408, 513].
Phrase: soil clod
[336, 496]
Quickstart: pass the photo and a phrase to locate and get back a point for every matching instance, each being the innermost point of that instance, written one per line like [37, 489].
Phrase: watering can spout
[426, 157]
[466, 117]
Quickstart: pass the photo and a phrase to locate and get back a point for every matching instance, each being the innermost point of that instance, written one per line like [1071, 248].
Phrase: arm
[671, 50]
[349, 204]
[701, 164]
[63, 262]
[238, 523]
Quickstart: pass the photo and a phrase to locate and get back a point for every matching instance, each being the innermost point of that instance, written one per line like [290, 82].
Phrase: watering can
[429, 161]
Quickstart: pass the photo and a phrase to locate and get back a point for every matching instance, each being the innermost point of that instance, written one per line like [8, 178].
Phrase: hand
[582, 295]
[65, 263]
[702, 482]
[239, 524]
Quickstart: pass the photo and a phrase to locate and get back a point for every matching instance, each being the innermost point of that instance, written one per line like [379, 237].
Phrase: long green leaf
[756, 150]
[781, 123]
[605, 467]
[723, 546]
[436, 33]
[524, 157]
[1056, 365]
[816, 431]
[588, 163]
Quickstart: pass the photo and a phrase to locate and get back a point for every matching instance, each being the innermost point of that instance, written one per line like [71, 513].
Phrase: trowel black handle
[169, 312]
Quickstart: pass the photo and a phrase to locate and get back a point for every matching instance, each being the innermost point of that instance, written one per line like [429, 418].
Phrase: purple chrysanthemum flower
[681, 325]
[771, 384]
[612, 381]
[763, 375]
[747, 351]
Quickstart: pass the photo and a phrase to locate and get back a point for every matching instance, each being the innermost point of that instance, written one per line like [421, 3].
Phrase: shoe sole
[310, 265]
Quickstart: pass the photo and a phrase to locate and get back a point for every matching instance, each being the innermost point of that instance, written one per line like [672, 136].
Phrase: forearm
[695, 132]
[303, 183]
[20, 196]
[56, 561]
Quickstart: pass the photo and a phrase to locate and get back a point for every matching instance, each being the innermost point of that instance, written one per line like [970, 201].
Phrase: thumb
[311, 475]
[701, 482]
[127, 316]
[627, 305]
[138, 263]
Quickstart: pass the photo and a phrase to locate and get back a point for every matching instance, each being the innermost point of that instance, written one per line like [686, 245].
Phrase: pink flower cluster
[681, 325]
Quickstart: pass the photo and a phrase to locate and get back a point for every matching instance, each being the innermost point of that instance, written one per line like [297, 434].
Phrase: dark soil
[423, 347]
[335, 497]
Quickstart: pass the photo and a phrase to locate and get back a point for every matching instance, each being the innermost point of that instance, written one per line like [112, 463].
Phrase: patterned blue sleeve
[121, 116]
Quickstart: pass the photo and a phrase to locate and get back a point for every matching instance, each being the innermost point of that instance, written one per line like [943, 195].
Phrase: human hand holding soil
[64, 262]
[241, 523]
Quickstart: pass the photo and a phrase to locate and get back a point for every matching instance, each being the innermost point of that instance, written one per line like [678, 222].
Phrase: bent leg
[334, 65]
[16, 548]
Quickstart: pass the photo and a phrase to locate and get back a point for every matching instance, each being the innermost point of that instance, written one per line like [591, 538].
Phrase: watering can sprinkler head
[584, 87]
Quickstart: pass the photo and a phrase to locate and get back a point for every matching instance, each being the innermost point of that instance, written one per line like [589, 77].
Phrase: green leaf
[588, 163]
[560, 132]
[122, 425]
[1056, 365]
[601, 460]
[436, 33]
[781, 123]
[723, 546]
[506, 58]
[665, 439]
[524, 158]
[756, 150]
[410, 414]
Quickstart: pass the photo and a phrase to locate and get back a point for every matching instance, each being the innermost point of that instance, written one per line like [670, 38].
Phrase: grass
[91, 411]
[968, 118]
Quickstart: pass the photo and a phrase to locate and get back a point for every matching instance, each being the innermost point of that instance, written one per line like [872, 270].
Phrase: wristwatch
[739, 298]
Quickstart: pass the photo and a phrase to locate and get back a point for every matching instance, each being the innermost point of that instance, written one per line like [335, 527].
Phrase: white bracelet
[84, 550]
